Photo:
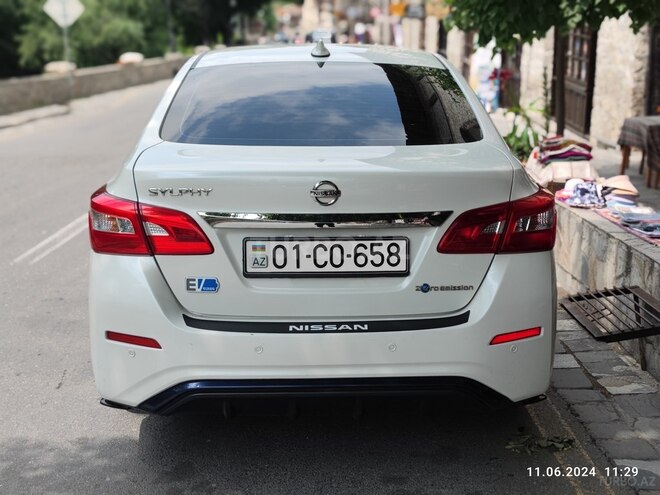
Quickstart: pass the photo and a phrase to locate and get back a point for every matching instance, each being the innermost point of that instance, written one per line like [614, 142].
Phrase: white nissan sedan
[340, 220]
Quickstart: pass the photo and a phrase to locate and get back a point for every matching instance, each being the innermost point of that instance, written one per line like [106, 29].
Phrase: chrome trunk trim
[320, 220]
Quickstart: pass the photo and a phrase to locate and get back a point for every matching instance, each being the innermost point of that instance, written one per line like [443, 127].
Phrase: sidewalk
[605, 388]
[617, 402]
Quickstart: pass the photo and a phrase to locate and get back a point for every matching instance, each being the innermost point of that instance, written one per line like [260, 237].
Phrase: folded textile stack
[558, 159]
[558, 149]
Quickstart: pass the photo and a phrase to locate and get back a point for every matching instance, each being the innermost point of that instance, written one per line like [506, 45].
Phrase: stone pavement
[618, 403]
[605, 388]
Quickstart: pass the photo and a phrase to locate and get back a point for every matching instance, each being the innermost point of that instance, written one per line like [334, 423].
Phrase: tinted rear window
[302, 104]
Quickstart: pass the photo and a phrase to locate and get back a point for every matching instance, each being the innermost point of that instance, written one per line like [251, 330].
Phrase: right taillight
[532, 224]
[521, 226]
[121, 226]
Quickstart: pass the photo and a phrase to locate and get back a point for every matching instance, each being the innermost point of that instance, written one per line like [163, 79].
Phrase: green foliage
[114, 37]
[39, 39]
[11, 19]
[545, 111]
[510, 21]
[200, 21]
[528, 444]
[267, 13]
[107, 28]
[522, 138]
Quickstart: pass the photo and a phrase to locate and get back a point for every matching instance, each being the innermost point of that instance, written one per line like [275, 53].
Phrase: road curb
[26, 116]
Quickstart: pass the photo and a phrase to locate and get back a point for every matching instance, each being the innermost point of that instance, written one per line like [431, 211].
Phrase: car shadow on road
[394, 447]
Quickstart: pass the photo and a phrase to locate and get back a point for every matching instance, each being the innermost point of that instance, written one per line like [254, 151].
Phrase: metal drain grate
[611, 315]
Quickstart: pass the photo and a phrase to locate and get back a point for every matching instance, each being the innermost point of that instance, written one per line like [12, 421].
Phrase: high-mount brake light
[121, 226]
[522, 226]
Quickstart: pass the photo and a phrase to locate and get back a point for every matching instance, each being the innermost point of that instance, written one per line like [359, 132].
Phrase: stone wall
[621, 69]
[620, 79]
[593, 253]
[23, 93]
[455, 46]
[536, 58]
[431, 26]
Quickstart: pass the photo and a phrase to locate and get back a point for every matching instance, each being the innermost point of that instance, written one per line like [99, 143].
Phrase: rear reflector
[522, 226]
[132, 339]
[121, 226]
[503, 338]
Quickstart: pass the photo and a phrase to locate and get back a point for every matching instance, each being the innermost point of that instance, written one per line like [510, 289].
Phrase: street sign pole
[67, 59]
[65, 13]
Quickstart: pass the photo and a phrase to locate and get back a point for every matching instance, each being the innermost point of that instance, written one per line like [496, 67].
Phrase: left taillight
[525, 225]
[122, 226]
[114, 225]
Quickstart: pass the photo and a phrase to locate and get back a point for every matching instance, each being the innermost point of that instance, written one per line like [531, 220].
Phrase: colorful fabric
[562, 144]
[566, 156]
[608, 214]
[557, 148]
[586, 195]
[631, 219]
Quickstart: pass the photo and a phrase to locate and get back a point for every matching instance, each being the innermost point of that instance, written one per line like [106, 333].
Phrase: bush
[106, 29]
[522, 138]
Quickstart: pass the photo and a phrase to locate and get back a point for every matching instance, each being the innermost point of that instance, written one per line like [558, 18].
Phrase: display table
[642, 133]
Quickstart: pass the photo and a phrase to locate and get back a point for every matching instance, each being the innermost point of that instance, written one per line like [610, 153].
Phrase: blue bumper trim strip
[170, 400]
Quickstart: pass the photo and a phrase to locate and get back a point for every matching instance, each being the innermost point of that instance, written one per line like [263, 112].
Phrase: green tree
[507, 21]
[510, 21]
[11, 18]
[201, 21]
[106, 29]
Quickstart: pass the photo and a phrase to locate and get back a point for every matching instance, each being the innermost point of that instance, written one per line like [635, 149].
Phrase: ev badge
[202, 284]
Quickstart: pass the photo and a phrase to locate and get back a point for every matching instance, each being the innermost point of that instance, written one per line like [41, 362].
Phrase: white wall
[621, 70]
[536, 58]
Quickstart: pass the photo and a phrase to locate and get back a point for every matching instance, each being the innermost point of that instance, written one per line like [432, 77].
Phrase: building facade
[611, 74]
[608, 77]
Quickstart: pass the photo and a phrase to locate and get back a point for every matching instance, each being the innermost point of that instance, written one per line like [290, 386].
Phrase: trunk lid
[207, 180]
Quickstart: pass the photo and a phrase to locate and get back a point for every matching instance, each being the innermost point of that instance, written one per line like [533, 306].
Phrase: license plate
[322, 257]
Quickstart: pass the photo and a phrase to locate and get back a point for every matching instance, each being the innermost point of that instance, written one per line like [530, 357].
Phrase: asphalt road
[56, 438]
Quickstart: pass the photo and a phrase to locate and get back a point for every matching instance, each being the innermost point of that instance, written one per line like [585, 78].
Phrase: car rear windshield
[320, 104]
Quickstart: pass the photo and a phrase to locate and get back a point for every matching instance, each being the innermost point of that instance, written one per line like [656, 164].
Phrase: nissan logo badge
[325, 193]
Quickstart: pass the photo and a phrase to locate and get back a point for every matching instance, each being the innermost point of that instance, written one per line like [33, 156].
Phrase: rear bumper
[191, 393]
[129, 295]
